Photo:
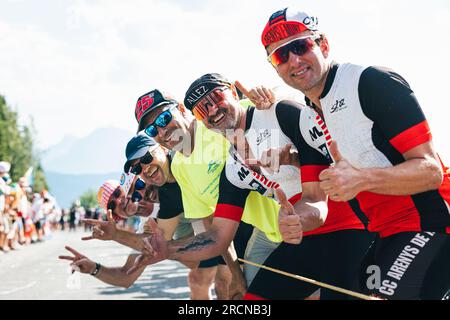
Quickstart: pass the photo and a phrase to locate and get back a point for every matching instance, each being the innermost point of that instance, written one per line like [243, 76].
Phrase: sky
[77, 65]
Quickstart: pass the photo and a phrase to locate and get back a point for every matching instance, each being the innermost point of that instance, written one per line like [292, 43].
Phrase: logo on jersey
[212, 166]
[315, 133]
[338, 106]
[262, 136]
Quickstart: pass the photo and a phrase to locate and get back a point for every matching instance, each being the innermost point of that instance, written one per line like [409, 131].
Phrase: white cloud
[83, 65]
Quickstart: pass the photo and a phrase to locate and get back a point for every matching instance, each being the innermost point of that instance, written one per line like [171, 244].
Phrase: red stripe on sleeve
[310, 173]
[295, 198]
[448, 230]
[228, 211]
[412, 137]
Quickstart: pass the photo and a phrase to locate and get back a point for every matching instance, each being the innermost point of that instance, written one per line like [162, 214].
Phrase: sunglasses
[298, 46]
[112, 204]
[216, 96]
[161, 121]
[138, 185]
[137, 169]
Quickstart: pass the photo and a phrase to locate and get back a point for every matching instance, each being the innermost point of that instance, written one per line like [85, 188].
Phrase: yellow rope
[317, 283]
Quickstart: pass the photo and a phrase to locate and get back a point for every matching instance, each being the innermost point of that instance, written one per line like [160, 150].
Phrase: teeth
[153, 172]
[300, 72]
[218, 118]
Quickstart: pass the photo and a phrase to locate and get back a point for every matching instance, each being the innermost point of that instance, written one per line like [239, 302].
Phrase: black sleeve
[387, 99]
[229, 193]
[170, 201]
[288, 115]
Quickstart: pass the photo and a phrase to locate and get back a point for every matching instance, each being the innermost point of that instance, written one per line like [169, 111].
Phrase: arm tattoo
[198, 242]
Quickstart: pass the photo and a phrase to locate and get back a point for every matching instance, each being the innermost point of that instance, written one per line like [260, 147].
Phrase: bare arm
[312, 208]
[419, 173]
[205, 245]
[117, 276]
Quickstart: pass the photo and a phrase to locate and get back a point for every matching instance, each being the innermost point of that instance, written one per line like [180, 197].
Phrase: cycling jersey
[198, 176]
[285, 123]
[374, 117]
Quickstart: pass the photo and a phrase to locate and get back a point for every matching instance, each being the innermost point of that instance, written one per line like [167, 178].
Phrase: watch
[96, 270]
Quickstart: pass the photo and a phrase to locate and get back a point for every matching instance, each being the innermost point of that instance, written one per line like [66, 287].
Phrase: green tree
[88, 199]
[17, 146]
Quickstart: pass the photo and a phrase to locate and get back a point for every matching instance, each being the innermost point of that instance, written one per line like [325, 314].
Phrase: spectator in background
[4, 191]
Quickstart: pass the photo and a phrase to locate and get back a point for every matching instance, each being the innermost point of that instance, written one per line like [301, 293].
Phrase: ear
[234, 91]
[325, 46]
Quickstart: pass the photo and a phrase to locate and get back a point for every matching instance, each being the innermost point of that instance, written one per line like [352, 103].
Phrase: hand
[342, 181]
[237, 288]
[155, 248]
[289, 223]
[273, 158]
[262, 97]
[103, 230]
[79, 262]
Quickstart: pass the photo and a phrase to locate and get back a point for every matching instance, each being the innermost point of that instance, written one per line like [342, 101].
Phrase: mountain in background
[102, 151]
[76, 165]
[68, 187]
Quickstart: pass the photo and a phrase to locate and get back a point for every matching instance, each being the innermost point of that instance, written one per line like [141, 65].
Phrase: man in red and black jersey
[384, 157]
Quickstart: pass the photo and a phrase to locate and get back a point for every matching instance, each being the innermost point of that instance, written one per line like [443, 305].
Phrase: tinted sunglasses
[216, 96]
[298, 46]
[115, 195]
[137, 169]
[161, 121]
[138, 185]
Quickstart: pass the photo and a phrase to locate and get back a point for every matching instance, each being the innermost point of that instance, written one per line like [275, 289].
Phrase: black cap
[137, 147]
[150, 101]
[202, 86]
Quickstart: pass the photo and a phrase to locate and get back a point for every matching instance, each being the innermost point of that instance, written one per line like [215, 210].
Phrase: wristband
[96, 270]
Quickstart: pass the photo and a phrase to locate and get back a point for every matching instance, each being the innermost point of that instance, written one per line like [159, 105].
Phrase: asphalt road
[35, 273]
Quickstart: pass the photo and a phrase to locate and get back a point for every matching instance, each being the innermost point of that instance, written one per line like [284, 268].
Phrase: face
[222, 110]
[175, 132]
[157, 171]
[144, 207]
[305, 72]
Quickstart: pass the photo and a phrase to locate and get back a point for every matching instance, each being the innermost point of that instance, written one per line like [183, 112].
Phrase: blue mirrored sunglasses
[161, 121]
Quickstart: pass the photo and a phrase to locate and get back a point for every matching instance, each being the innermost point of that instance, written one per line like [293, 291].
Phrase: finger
[270, 95]
[262, 94]
[92, 222]
[242, 89]
[325, 174]
[334, 151]
[110, 217]
[153, 225]
[88, 238]
[98, 231]
[67, 258]
[147, 246]
[284, 203]
[75, 252]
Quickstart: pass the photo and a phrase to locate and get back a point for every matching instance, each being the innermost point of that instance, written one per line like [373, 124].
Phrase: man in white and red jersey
[383, 152]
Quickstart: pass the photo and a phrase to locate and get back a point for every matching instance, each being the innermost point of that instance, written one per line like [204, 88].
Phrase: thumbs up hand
[289, 223]
[342, 181]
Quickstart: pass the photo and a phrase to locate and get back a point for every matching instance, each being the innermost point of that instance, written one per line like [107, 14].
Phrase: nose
[294, 58]
[212, 109]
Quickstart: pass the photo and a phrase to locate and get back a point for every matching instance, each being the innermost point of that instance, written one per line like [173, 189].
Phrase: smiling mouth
[217, 119]
[300, 73]
[152, 173]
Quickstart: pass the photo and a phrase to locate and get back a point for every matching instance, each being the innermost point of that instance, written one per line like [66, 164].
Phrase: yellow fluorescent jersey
[199, 175]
